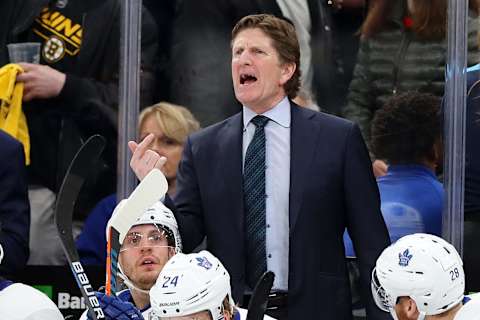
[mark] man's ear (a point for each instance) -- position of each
(412, 310)
(227, 316)
(288, 69)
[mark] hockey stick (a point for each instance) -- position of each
(152, 188)
(258, 302)
(79, 169)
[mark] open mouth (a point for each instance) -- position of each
(246, 79)
(147, 261)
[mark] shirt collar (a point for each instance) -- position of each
(280, 114)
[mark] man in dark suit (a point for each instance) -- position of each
(275, 186)
(14, 206)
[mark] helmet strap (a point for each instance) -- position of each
(128, 282)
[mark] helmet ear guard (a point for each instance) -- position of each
(423, 267)
(192, 283)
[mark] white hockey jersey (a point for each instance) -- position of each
(21, 302)
(470, 309)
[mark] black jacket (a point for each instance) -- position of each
(14, 206)
(88, 101)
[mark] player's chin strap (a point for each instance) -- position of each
(127, 281)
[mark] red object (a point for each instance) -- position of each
(408, 22)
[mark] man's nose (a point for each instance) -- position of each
(245, 58)
(145, 244)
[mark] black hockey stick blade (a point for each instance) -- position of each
(259, 299)
(79, 169)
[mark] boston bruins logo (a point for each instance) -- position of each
(53, 50)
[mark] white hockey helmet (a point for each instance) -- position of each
(423, 267)
(191, 283)
(161, 216)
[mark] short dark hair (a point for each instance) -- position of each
(406, 128)
(284, 40)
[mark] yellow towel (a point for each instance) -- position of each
(12, 118)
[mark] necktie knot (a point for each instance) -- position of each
(260, 121)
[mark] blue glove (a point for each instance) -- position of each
(116, 309)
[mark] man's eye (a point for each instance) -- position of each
(135, 240)
(156, 237)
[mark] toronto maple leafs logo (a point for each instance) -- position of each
(404, 258)
(203, 262)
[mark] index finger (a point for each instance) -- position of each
(26, 66)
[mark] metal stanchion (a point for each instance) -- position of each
(129, 88)
(454, 126)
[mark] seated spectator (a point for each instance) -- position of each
(170, 124)
(21, 302)
(402, 48)
(406, 132)
(14, 206)
(199, 275)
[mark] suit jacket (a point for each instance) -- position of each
(472, 153)
(14, 206)
(331, 187)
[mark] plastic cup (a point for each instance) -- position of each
(24, 52)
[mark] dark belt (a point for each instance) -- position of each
(276, 300)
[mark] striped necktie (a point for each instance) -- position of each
(254, 199)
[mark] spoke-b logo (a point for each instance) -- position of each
(53, 50)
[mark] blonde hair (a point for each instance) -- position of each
(176, 122)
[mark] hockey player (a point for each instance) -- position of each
(151, 241)
(21, 302)
(421, 277)
(199, 275)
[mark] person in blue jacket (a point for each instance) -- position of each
(406, 133)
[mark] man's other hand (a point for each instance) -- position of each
(379, 168)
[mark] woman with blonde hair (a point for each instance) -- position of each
(170, 124)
